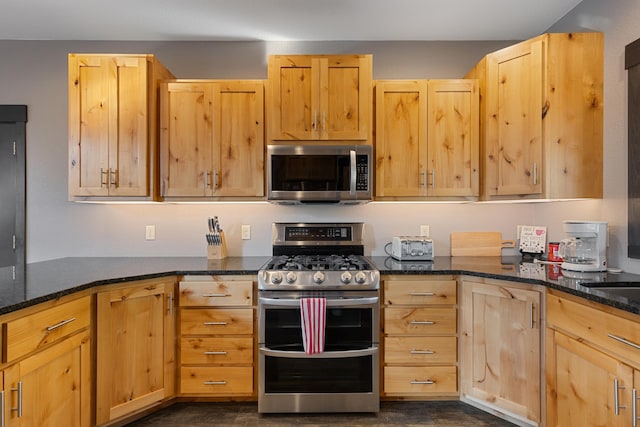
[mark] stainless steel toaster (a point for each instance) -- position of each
(412, 248)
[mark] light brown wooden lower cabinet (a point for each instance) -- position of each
(135, 360)
(51, 388)
(500, 348)
(593, 364)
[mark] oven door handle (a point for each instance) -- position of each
(350, 302)
(324, 355)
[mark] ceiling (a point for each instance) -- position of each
(279, 20)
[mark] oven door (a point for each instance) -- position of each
(343, 378)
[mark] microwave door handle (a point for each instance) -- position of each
(352, 184)
(350, 302)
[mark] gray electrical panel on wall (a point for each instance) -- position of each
(13, 120)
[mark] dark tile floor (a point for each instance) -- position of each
(438, 413)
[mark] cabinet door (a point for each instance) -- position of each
(186, 139)
(582, 383)
(51, 388)
(513, 117)
(345, 97)
(108, 126)
(453, 138)
(500, 352)
(238, 139)
(323, 97)
(135, 348)
(293, 98)
(401, 138)
(89, 98)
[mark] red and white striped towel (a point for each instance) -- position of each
(313, 312)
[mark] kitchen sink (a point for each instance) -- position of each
(629, 292)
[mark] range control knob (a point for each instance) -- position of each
(360, 277)
(276, 277)
(291, 277)
(345, 277)
(318, 277)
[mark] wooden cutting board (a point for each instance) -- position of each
(479, 243)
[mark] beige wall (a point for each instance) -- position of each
(34, 73)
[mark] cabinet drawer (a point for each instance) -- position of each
(212, 321)
(220, 294)
(420, 320)
(604, 330)
(216, 380)
(236, 350)
(420, 350)
(36, 330)
(420, 380)
(405, 292)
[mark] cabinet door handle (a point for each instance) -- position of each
(170, 303)
(422, 382)
(2, 409)
(18, 409)
(104, 178)
(422, 352)
(113, 177)
(214, 382)
(215, 179)
(624, 341)
(531, 315)
(535, 173)
(215, 353)
(422, 294)
(207, 179)
(216, 295)
(433, 178)
(634, 407)
(616, 397)
(423, 174)
(214, 323)
(60, 324)
(422, 322)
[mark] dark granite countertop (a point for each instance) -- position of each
(49, 280)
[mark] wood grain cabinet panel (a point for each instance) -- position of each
(419, 337)
(218, 294)
(113, 125)
(541, 110)
(500, 347)
(135, 347)
(212, 138)
(427, 138)
(320, 97)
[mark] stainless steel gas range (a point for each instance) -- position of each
(325, 262)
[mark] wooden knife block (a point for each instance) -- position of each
(218, 251)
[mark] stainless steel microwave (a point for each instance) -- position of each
(319, 174)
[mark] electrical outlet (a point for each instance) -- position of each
(150, 232)
(246, 232)
(424, 230)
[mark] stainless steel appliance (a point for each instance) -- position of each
(407, 248)
(586, 247)
(319, 174)
(322, 261)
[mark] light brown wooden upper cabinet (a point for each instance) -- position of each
(112, 125)
(541, 118)
(325, 97)
(212, 138)
(427, 139)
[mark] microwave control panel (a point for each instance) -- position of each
(362, 173)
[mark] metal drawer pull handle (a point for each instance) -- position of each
(624, 341)
(216, 295)
(422, 294)
(58, 325)
(422, 382)
(634, 407)
(616, 398)
(19, 408)
(214, 353)
(422, 352)
(422, 322)
(215, 323)
(214, 382)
